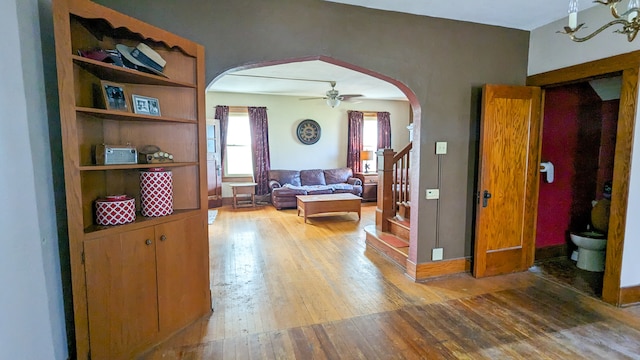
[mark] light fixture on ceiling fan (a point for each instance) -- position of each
(629, 20)
(333, 96)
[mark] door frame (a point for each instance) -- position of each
(628, 66)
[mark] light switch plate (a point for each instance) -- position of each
(433, 194)
(441, 148)
(437, 254)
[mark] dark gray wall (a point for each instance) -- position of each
(444, 63)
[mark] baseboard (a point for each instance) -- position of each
(425, 271)
(629, 295)
(552, 251)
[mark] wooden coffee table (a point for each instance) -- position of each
(328, 203)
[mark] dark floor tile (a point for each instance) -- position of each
(563, 270)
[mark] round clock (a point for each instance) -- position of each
(308, 132)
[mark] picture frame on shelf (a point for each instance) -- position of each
(115, 96)
(146, 105)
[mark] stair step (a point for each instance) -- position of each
(394, 247)
(405, 223)
(399, 227)
(404, 210)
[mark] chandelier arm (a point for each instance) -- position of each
(614, 11)
(625, 14)
(601, 29)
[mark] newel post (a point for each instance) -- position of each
(385, 204)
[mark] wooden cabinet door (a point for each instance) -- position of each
(183, 281)
(121, 293)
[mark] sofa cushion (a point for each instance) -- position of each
(312, 177)
(285, 177)
(319, 190)
(346, 188)
(337, 176)
(289, 190)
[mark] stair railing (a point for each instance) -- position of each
(393, 183)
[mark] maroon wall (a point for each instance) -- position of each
(607, 143)
(576, 122)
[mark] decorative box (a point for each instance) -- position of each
(156, 192)
(115, 210)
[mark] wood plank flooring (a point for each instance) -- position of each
(283, 289)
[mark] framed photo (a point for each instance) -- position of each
(146, 105)
(115, 96)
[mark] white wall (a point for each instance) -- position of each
(32, 325)
(549, 51)
(285, 112)
(630, 275)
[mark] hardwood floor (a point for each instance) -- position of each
(563, 270)
(283, 289)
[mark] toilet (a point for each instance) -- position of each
(591, 250)
(593, 243)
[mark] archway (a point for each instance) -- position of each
(414, 116)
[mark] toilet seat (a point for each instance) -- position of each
(591, 234)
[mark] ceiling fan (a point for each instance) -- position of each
(333, 97)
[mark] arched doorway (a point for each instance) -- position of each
(317, 73)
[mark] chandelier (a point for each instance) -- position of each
(629, 20)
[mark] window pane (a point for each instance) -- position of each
(238, 132)
(370, 141)
(370, 135)
(239, 160)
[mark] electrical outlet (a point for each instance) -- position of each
(437, 254)
(441, 148)
(433, 194)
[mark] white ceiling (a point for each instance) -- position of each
(519, 14)
(313, 79)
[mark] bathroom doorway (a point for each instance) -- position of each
(578, 150)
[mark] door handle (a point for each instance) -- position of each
(486, 195)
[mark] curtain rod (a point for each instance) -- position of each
(241, 108)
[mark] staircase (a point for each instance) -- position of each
(390, 234)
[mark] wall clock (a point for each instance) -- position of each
(308, 132)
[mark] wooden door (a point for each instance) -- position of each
(183, 281)
(214, 164)
(121, 293)
(506, 204)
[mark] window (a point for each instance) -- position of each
(238, 159)
(370, 137)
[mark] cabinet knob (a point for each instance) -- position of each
(148, 242)
(163, 237)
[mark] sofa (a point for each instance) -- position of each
(285, 185)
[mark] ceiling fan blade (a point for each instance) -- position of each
(350, 96)
(314, 98)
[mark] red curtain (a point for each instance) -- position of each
(260, 146)
(354, 142)
(384, 130)
(222, 114)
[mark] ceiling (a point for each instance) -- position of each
(313, 77)
(306, 79)
(516, 14)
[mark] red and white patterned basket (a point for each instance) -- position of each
(115, 210)
(156, 192)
